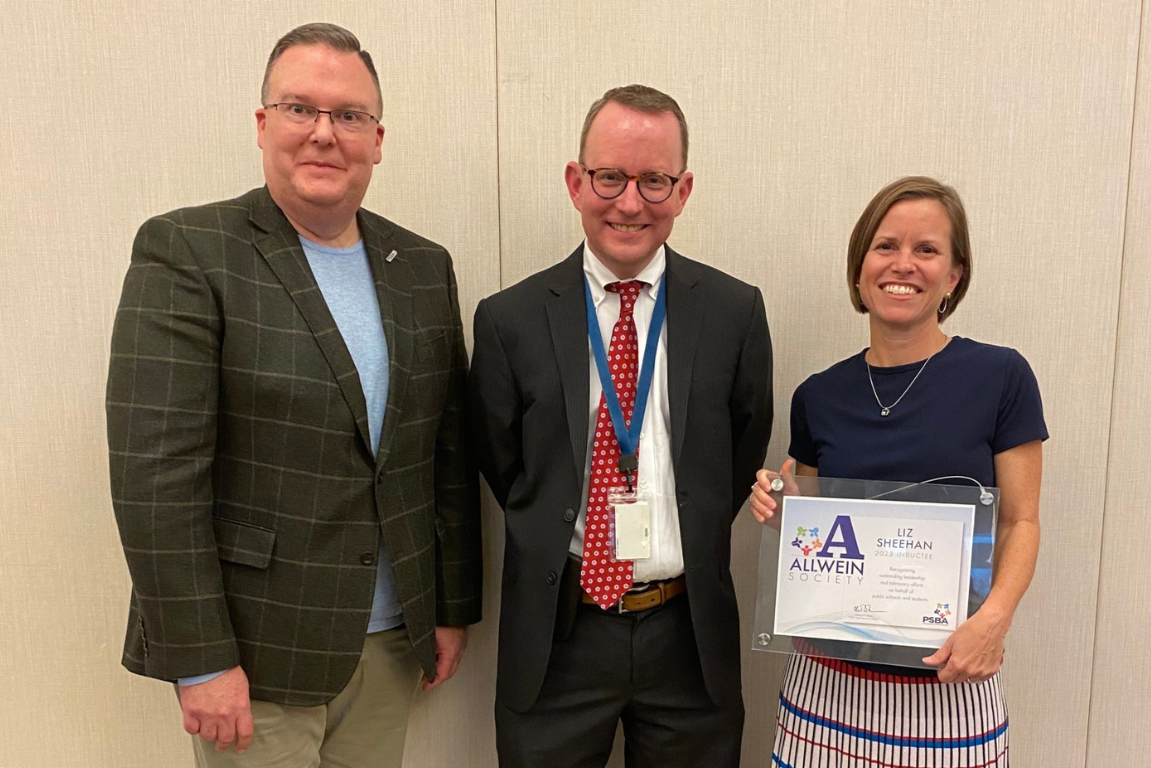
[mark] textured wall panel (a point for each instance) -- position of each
(112, 113)
(1120, 708)
(799, 112)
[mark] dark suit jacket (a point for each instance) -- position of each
(249, 503)
(529, 395)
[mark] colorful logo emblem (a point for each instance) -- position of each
(807, 540)
(943, 610)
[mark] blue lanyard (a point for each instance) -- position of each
(628, 438)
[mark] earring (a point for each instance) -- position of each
(943, 306)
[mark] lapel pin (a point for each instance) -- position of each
(390, 256)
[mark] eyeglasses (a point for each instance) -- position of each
(349, 120)
(609, 183)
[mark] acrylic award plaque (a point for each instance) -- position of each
(875, 572)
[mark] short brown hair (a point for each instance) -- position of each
(910, 188)
(321, 33)
(642, 99)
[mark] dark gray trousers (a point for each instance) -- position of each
(640, 668)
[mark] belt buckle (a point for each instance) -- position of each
(619, 606)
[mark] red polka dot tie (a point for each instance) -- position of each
(601, 575)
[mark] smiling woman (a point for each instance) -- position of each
(914, 214)
(885, 414)
(908, 274)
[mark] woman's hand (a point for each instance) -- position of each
(974, 652)
(762, 502)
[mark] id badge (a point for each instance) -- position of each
(631, 515)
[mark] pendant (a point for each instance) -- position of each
(885, 412)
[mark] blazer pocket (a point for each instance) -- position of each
(243, 543)
(711, 379)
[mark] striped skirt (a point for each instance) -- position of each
(832, 713)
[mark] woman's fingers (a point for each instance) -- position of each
(762, 505)
(787, 474)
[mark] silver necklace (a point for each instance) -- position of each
(885, 410)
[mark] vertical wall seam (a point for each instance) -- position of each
(499, 139)
(1114, 379)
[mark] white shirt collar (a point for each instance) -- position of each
(599, 276)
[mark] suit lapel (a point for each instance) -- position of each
(394, 292)
(567, 319)
(684, 317)
(279, 244)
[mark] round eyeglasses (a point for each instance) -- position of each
(609, 183)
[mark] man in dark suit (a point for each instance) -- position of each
(286, 436)
(619, 606)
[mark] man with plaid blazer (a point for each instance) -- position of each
(286, 438)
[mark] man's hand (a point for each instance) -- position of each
(974, 652)
(450, 644)
(219, 710)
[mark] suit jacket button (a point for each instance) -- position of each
(379, 479)
(569, 515)
(552, 578)
(368, 558)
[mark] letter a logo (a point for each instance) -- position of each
(842, 536)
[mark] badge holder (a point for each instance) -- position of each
(631, 524)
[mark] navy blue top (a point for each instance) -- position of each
(971, 402)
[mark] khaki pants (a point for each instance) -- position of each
(362, 727)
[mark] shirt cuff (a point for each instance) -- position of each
(197, 679)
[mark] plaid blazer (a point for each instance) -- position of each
(249, 503)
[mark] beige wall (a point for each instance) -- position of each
(799, 112)
(1121, 679)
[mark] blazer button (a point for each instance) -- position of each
(368, 558)
(379, 479)
(552, 578)
(569, 515)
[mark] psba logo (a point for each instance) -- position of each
(939, 616)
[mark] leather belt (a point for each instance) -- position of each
(644, 598)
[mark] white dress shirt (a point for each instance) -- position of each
(655, 479)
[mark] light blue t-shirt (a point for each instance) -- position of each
(345, 280)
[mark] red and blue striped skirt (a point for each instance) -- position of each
(833, 713)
